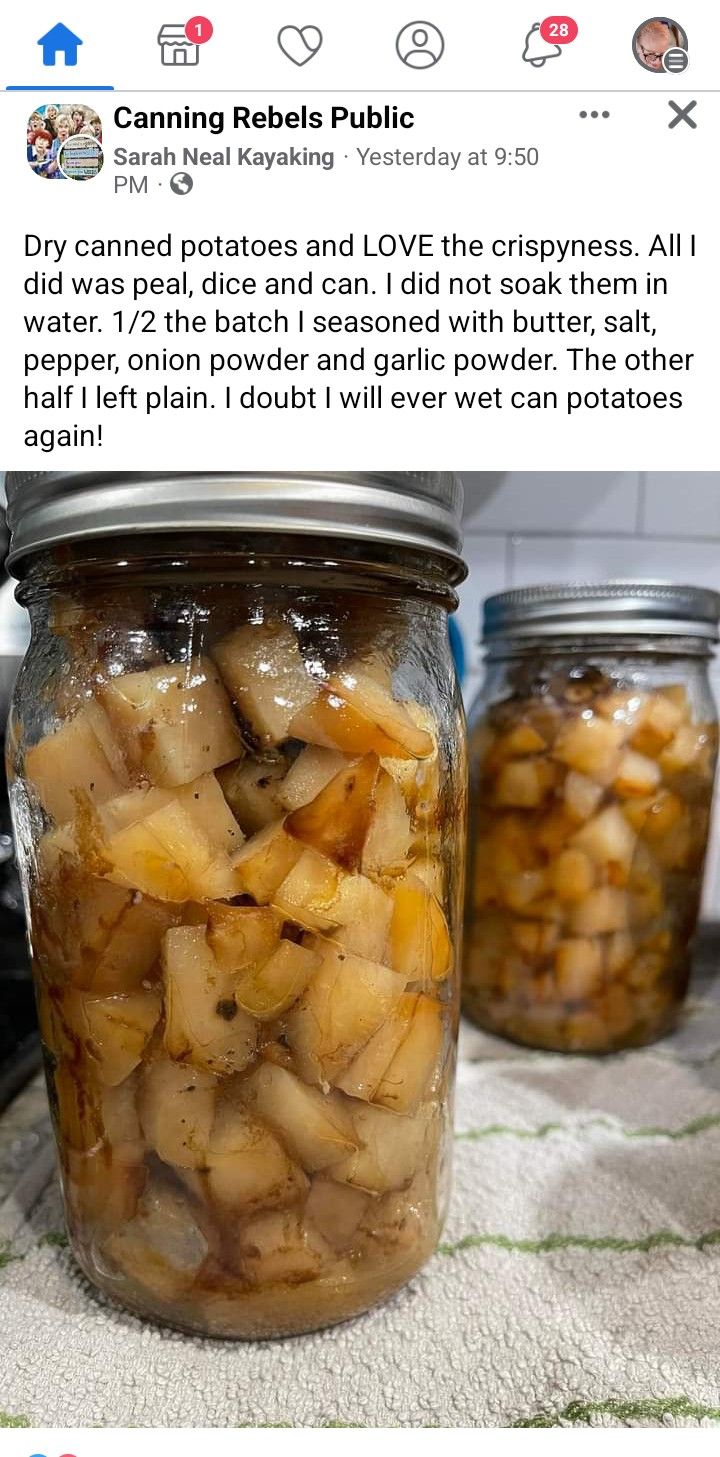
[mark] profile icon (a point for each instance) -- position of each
(64, 141)
(420, 45)
(660, 45)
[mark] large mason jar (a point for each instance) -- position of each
(593, 746)
(238, 783)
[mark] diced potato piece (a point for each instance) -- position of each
(572, 875)
(355, 714)
(177, 1111)
(308, 894)
(78, 760)
(608, 838)
(121, 1121)
(312, 770)
(362, 913)
(582, 795)
(521, 739)
(129, 809)
(315, 1127)
(401, 1220)
(684, 750)
(344, 1004)
(280, 1248)
(655, 815)
(134, 945)
(523, 783)
(119, 1029)
(387, 845)
(336, 1210)
(619, 952)
(101, 1189)
(591, 746)
(519, 891)
(163, 1248)
(398, 1065)
(169, 856)
(624, 708)
(429, 869)
(264, 672)
(203, 1023)
(77, 1111)
(337, 821)
(247, 1165)
(264, 862)
(266, 991)
(252, 790)
(242, 937)
(659, 720)
(535, 938)
(420, 781)
(578, 968)
(390, 1152)
(604, 910)
(420, 944)
(174, 722)
(636, 775)
(205, 802)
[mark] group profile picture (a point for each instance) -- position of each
(64, 142)
(660, 44)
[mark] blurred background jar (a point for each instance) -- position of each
(593, 746)
(238, 776)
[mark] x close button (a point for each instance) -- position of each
(683, 114)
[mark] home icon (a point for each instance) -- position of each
(60, 42)
(175, 48)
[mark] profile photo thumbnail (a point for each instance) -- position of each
(64, 141)
(660, 45)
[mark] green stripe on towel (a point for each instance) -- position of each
(543, 1130)
(549, 1242)
(651, 1409)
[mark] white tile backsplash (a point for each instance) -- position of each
(526, 527)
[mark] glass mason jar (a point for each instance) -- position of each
(238, 785)
(593, 747)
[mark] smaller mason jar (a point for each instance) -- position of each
(237, 765)
(593, 747)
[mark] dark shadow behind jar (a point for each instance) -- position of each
(238, 784)
(592, 748)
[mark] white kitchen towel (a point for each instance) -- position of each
(578, 1279)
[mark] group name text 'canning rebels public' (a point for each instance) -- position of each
(362, 118)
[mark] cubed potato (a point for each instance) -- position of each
(79, 761)
(608, 839)
(618, 952)
(390, 1153)
(420, 946)
(266, 991)
(403, 1220)
(101, 1191)
(163, 1248)
(248, 1167)
(523, 783)
(311, 771)
(336, 1210)
(578, 968)
(344, 1004)
(204, 1025)
(77, 1109)
(252, 789)
(572, 875)
(281, 1248)
(121, 1121)
(581, 795)
(420, 780)
(133, 947)
(623, 707)
(604, 910)
(355, 714)
(173, 722)
(308, 894)
(177, 1110)
(315, 1127)
(337, 821)
(684, 751)
(264, 672)
(658, 722)
(398, 1066)
(206, 804)
(429, 869)
(387, 844)
(362, 913)
(591, 745)
(535, 938)
(169, 856)
(673, 850)
(264, 862)
(518, 741)
(519, 891)
(242, 937)
(119, 1029)
(636, 775)
(655, 815)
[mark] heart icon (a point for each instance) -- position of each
(300, 43)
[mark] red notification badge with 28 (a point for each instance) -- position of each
(559, 30)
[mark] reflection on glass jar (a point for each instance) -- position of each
(592, 758)
(239, 795)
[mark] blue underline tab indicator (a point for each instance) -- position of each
(43, 86)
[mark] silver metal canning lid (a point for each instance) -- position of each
(594, 609)
(417, 509)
